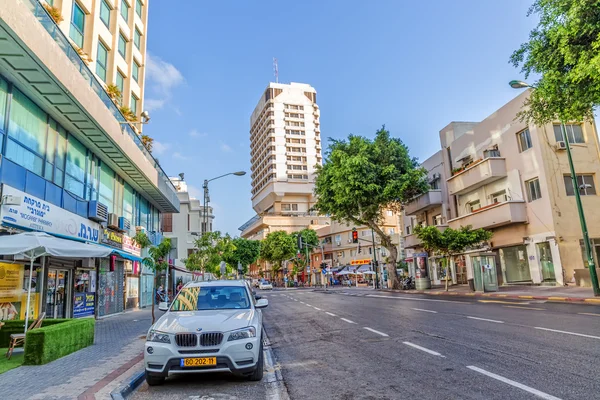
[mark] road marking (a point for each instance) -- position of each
(330, 313)
(302, 302)
(503, 302)
(307, 304)
(588, 313)
(568, 333)
(377, 332)
(420, 309)
(485, 319)
(317, 308)
(295, 299)
(435, 353)
(526, 388)
(525, 308)
(414, 299)
(348, 321)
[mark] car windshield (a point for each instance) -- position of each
(211, 298)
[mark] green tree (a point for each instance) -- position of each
(277, 247)
(246, 252)
(361, 178)
(157, 259)
(564, 48)
(309, 237)
(450, 242)
(210, 249)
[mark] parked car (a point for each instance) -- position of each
(211, 326)
(265, 285)
(255, 283)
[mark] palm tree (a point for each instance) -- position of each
(114, 93)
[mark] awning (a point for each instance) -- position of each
(126, 255)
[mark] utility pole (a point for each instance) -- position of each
(375, 260)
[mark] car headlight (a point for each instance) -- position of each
(245, 333)
(160, 337)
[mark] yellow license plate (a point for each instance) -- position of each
(199, 362)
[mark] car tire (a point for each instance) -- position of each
(153, 380)
(257, 374)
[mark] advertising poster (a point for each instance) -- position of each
(83, 304)
(13, 297)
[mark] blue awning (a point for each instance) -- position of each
(126, 255)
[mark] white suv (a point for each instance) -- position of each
(209, 327)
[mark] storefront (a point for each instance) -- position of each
(14, 280)
(515, 264)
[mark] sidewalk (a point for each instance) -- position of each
(518, 292)
(88, 373)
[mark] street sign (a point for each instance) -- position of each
(360, 262)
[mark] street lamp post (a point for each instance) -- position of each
(586, 239)
(207, 200)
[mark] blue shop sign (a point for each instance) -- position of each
(83, 304)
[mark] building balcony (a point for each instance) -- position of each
(493, 215)
(476, 175)
(424, 202)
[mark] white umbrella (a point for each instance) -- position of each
(369, 272)
(32, 245)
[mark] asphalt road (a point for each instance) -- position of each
(361, 344)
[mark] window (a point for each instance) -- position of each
(92, 179)
(135, 70)
(286, 207)
(585, 183)
(134, 104)
(77, 25)
(338, 238)
(3, 103)
(167, 223)
(437, 220)
(101, 61)
(524, 139)
(137, 38)
(27, 128)
(124, 10)
(390, 213)
(533, 190)
(138, 8)
(499, 197)
(105, 13)
(434, 184)
(188, 222)
(294, 207)
(574, 133)
(122, 47)
(61, 157)
(107, 187)
(408, 230)
(120, 82)
(391, 231)
(473, 205)
(76, 166)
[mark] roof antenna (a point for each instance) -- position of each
(276, 70)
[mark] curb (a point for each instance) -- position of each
(553, 299)
(122, 392)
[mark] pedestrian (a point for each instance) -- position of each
(179, 286)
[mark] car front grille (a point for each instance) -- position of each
(186, 339)
(211, 339)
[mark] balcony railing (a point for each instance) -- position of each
(493, 215)
(426, 201)
(164, 183)
(476, 175)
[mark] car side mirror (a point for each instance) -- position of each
(257, 297)
(163, 306)
(262, 303)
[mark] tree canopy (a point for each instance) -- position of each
(361, 178)
(450, 241)
(277, 247)
(310, 237)
(564, 48)
(210, 249)
(246, 252)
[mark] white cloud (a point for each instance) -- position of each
(226, 148)
(195, 134)
(178, 156)
(162, 78)
(159, 148)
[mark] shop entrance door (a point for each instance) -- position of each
(59, 291)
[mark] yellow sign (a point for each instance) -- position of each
(13, 297)
(360, 262)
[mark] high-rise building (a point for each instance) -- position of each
(72, 166)
(112, 37)
(285, 147)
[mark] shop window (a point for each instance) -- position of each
(574, 133)
(515, 263)
(533, 190)
(585, 184)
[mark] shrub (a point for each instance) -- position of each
(18, 326)
(52, 342)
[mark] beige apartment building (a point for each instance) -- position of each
(285, 147)
(514, 179)
(112, 34)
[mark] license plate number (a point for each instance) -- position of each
(198, 362)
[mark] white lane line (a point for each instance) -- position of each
(568, 333)
(589, 313)
(302, 302)
(307, 304)
(420, 309)
(317, 308)
(347, 320)
(435, 353)
(487, 320)
(414, 299)
(377, 332)
(330, 313)
(295, 299)
(526, 388)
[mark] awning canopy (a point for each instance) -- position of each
(126, 255)
(32, 245)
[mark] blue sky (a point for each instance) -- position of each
(413, 66)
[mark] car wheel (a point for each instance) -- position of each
(257, 375)
(153, 380)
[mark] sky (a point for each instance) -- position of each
(414, 66)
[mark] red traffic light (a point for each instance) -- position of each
(354, 236)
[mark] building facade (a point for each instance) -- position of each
(514, 179)
(72, 167)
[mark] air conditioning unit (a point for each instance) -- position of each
(349, 240)
(436, 176)
(113, 221)
(338, 243)
(561, 145)
(97, 211)
(124, 224)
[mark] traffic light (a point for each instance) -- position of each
(323, 265)
(354, 235)
(359, 249)
(299, 241)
